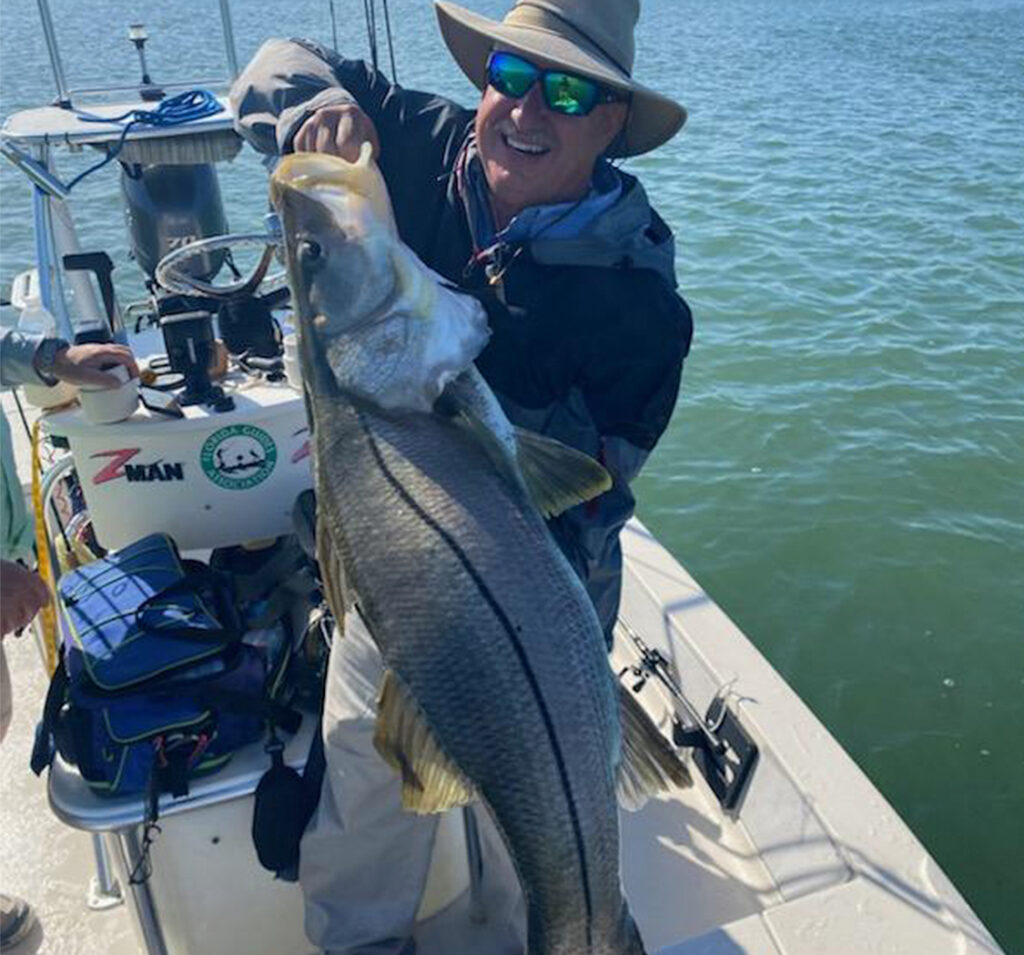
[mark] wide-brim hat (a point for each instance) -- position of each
(593, 39)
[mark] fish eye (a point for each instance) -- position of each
(309, 251)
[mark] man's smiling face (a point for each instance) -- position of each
(533, 156)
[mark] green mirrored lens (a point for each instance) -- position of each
(569, 94)
(510, 75)
(564, 93)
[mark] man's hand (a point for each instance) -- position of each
(338, 130)
(22, 594)
(84, 364)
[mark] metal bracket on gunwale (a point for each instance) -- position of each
(723, 751)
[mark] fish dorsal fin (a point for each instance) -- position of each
(431, 782)
(556, 476)
(649, 764)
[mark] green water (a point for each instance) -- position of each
(843, 473)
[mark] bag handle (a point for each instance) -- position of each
(43, 747)
(205, 584)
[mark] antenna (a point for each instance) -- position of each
(138, 35)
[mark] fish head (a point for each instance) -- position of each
(373, 320)
(338, 233)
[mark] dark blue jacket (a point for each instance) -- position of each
(588, 334)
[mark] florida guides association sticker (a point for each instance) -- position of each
(238, 457)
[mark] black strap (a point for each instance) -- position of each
(316, 761)
(277, 845)
(43, 747)
(174, 776)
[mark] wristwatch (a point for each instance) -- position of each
(46, 355)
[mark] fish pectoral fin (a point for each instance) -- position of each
(650, 765)
(431, 782)
(557, 477)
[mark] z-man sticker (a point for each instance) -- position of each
(120, 466)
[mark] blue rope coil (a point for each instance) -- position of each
(177, 110)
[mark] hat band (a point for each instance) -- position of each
(572, 26)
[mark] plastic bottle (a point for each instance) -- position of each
(37, 320)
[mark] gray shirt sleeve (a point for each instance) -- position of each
(284, 84)
(17, 358)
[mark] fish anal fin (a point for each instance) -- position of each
(431, 782)
(556, 476)
(650, 765)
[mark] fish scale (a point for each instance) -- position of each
(450, 650)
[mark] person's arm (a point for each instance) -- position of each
(22, 594)
(285, 83)
(289, 82)
(18, 352)
(297, 94)
(30, 359)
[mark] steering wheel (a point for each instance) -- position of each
(170, 275)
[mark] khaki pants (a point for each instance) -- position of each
(364, 861)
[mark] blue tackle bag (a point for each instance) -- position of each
(156, 682)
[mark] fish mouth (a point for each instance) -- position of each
(338, 184)
(305, 171)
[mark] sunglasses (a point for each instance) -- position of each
(565, 93)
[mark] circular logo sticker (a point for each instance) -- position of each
(238, 457)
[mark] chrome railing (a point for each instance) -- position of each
(64, 92)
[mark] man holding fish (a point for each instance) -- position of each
(518, 204)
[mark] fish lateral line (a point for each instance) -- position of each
(520, 653)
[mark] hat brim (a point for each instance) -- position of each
(653, 119)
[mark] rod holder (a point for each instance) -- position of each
(37, 173)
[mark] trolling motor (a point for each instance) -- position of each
(169, 206)
(169, 185)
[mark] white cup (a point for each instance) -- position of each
(292, 369)
(108, 405)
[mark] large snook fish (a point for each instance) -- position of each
(498, 686)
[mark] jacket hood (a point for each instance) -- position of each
(629, 234)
